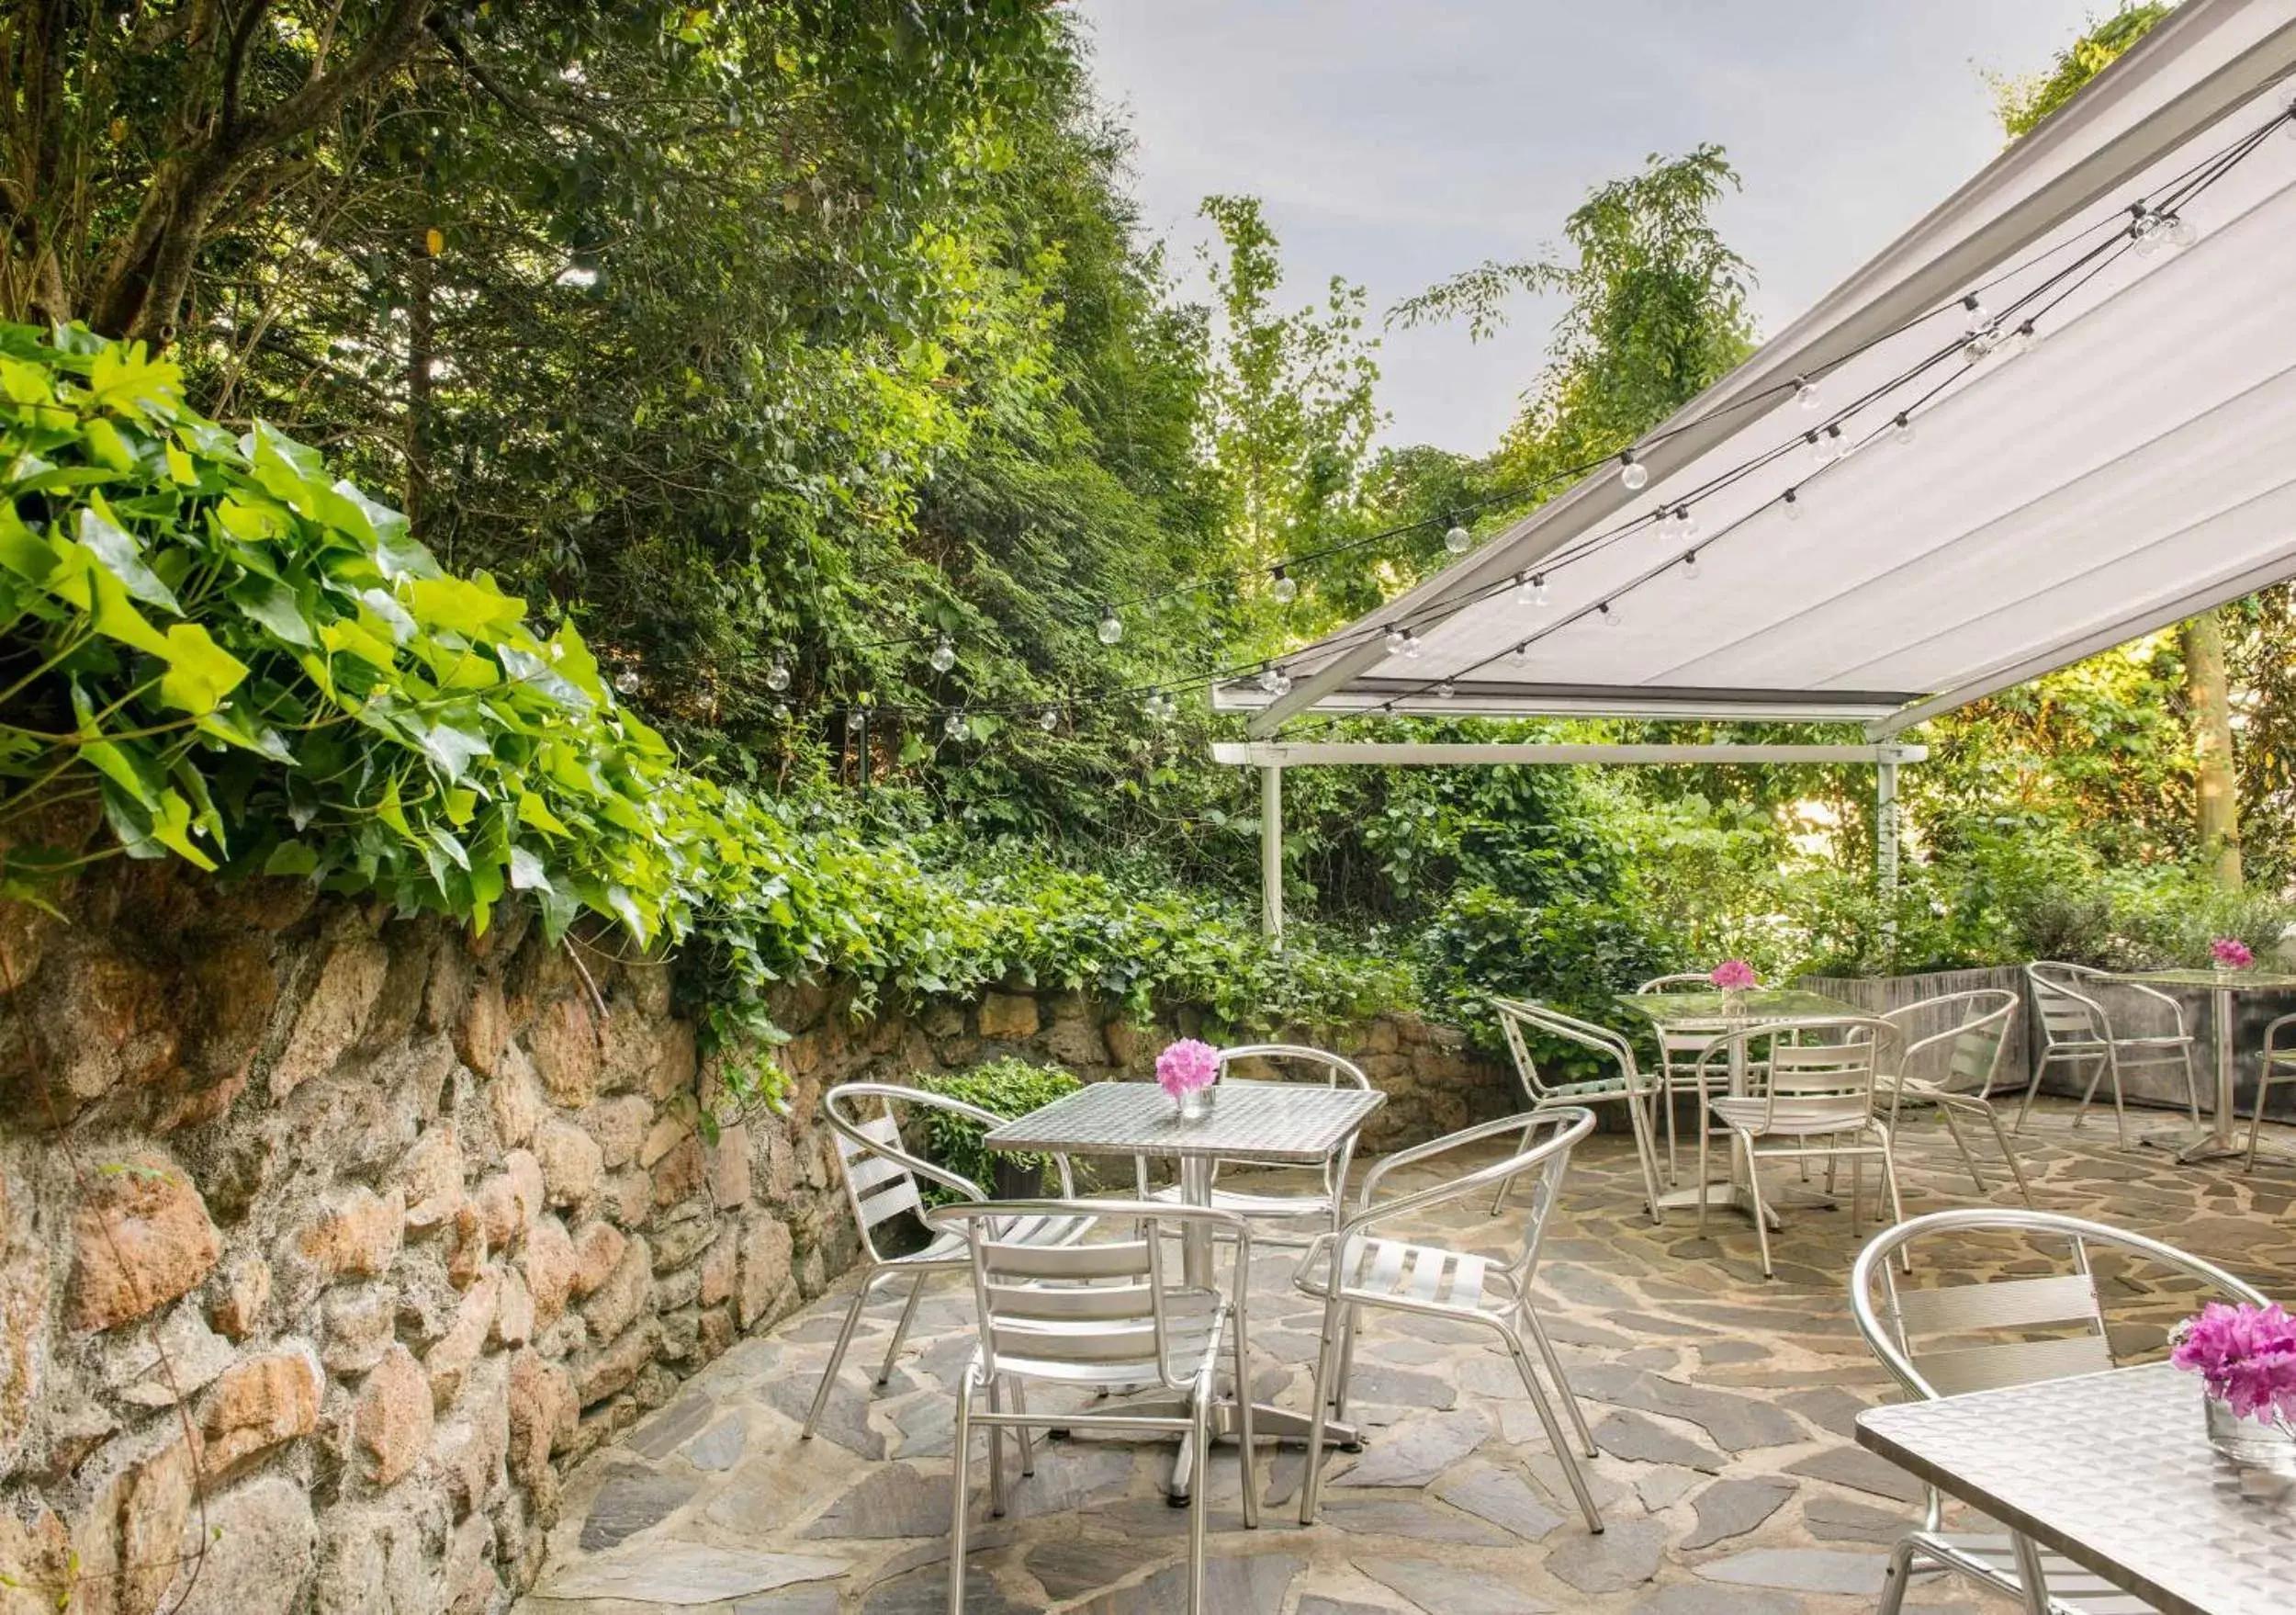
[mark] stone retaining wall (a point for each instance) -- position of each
(415, 1221)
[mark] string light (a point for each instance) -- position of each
(1610, 618)
(1978, 318)
(1445, 689)
(1539, 594)
(2182, 231)
(1049, 719)
(627, 681)
(1792, 500)
(1522, 652)
(1111, 625)
(1820, 448)
(1456, 538)
(2022, 340)
(1527, 589)
(953, 725)
(856, 718)
(1806, 392)
(944, 656)
(1412, 647)
(1396, 639)
(777, 676)
(1685, 525)
(1902, 427)
(1690, 566)
(1633, 472)
(1281, 588)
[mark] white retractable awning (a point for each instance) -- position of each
(2132, 463)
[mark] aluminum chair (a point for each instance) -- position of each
(1521, 1020)
(2280, 1066)
(1435, 1281)
(1990, 1334)
(1319, 1203)
(2076, 1031)
(1678, 1052)
(881, 1180)
(1102, 1315)
(1973, 1037)
(1813, 1088)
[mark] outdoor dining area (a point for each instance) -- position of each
(1225, 1364)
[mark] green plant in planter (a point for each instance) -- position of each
(1007, 1087)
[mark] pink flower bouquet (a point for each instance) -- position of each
(1186, 1067)
(2245, 1355)
(1733, 976)
(2231, 954)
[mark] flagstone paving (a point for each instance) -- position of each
(1721, 1403)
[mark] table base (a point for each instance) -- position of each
(2206, 1143)
(1737, 1197)
(1269, 1423)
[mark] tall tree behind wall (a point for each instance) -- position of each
(2023, 104)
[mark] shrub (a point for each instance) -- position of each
(1007, 1087)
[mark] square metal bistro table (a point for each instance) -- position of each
(2216, 1140)
(1712, 1013)
(2115, 1472)
(1291, 1123)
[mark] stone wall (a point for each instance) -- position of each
(329, 1240)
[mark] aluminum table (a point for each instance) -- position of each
(2115, 1472)
(2215, 1140)
(1293, 1123)
(1715, 1012)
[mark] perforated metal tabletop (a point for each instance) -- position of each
(2115, 1472)
(1271, 1121)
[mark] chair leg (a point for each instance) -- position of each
(901, 1330)
(2017, 1172)
(1199, 1512)
(1562, 1385)
(1945, 1114)
(1244, 1453)
(1646, 1152)
(2031, 1088)
(2120, 1108)
(1347, 1324)
(963, 1450)
(1762, 1212)
(2256, 1120)
(1706, 1134)
(1673, 1168)
(996, 1454)
(1021, 1432)
(1499, 1201)
(1895, 1578)
(1889, 1181)
(2080, 1111)
(1326, 1364)
(2191, 1088)
(837, 1356)
(1563, 1454)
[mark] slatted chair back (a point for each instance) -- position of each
(1957, 1040)
(1520, 1020)
(1805, 1070)
(2067, 1014)
(1983, 1335)
(882, 1175)
(1110, 1310)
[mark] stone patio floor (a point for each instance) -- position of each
(1722, 1404)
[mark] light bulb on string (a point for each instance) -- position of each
(2022, 340)
(1978, 318)
(1611, 618)
(1456, 539)
(1806, 392)
(1049, 719)
(1902, 427)
(1281, 587)
(781, 712)
(953, 725)
(777, 676)
(1271, 676)
(2149, 234)
(1396, 638)
(1685, 525)
(1445, 689)
(1835, 448)
(1633, 472)
(2182, 231)
(1539, 592)
(1820, 448)
(856, 718)
(1283, 683)
(627, 682)
(1111, 625)
(1791, 501)
(944, 656)
(1522, 652)
(1690, 566)
(1412, 647)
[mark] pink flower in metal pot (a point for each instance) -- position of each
(1186, 1066)
(1733, 976)
(2231, 954)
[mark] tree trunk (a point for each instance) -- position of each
(420, 349)
(2215, 785)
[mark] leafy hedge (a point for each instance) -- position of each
(254, 667)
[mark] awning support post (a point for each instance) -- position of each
(1272, 855)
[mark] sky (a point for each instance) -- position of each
(1398, 142)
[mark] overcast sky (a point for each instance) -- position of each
(1396, 141)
